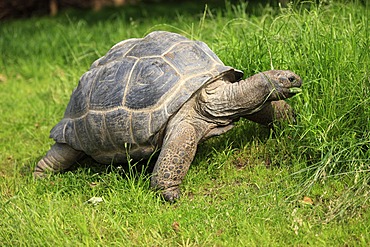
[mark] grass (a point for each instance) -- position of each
(303, 184)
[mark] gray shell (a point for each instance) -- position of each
(128, 95)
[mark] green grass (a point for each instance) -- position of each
(245, 188)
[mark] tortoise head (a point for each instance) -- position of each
(281, 83)
(220, 100)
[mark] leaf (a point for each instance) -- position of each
(95, 200)
(176, 226)
(307, 200)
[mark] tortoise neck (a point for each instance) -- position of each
(226, 100)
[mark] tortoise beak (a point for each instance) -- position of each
(295, 84)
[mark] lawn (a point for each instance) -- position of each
(303, 184)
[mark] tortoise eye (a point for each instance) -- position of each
(291, 78)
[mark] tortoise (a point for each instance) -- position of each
(164, 92)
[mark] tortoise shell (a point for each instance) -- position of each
(129, 94)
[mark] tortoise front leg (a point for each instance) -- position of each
(274, 111)
(178, 151)
(60, 157)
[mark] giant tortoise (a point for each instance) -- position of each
(164, 92)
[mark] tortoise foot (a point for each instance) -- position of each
(171, 194)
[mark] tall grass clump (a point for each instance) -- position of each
(322, 44)
(334, 117)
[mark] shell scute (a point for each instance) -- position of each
(140, 127)
(58, 131)
(117, 52)
(100, 138)
(188, 59)
(155, 44)
(109, 86)
(208, 51)
(155, 123)
(118, 126)
(151, 79)
(79, 102)
(177, 100)
(85, 141)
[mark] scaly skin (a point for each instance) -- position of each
(174, 160)
(60, 157)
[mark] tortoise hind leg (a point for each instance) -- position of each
(60, 157)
